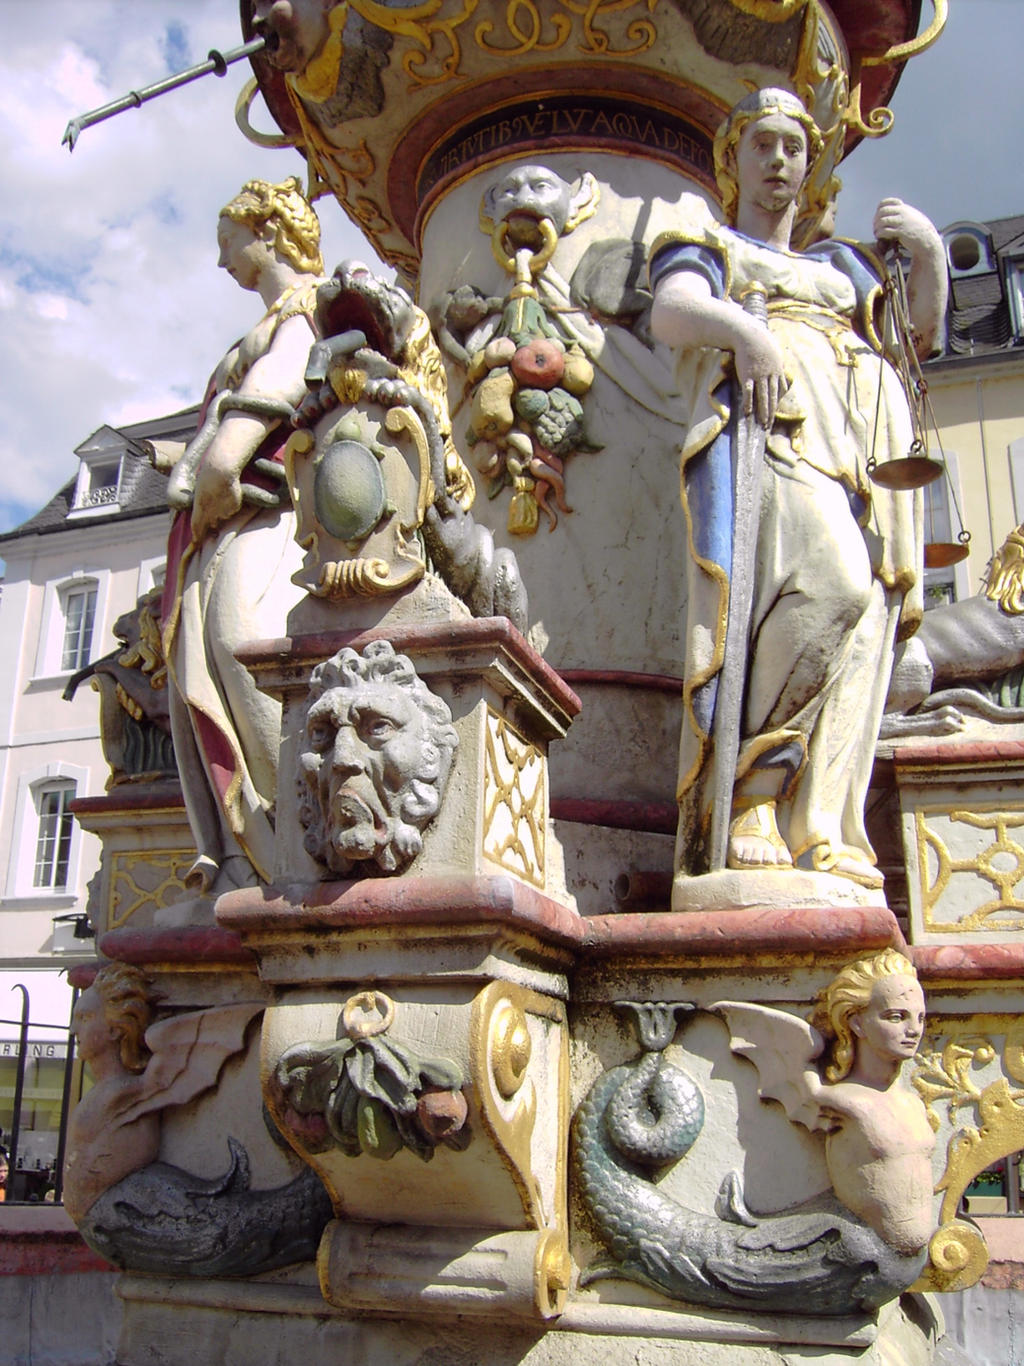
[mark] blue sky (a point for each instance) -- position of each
(111, 308)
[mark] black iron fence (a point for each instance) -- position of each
(39, 1082)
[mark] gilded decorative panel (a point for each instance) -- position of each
(969, 867)
(515, 801)
(154, 880)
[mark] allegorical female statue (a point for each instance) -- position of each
(832, 560)
(232, 551)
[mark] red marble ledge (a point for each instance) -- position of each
(707, 935)
(658, 818)
(968, 962)
(126, 797)
(624, 678)
(204, 945)
(41, 1240)
(82, 974)
(299, 652)
(954, 753)
(381, 902)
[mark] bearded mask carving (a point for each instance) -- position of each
(379, 752)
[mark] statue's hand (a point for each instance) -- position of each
(218, 496)
(898, 222)
(180, 484)
(760, 369)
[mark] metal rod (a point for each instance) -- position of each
(65, 1107)
(216, 62)
(19, 1087)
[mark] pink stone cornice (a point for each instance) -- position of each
(969, 962)
(760, 931)
(955, 753)
(387, 902)
(770, 934)
(297, 653)
(127, 797)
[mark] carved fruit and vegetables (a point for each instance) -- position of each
(527, 409)
(365, 1093)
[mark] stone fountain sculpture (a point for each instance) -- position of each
(434, 894)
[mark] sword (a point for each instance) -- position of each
(748, 464)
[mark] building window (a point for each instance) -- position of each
(946, 583)
(97, 486)
(1015, 293)
(79, 617)
(73, 621)
(53, 838)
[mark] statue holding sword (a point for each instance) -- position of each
(803, 574)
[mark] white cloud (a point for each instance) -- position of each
(112, 308)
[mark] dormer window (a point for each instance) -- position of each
(968, 250)
(97, 486)
(100, 471)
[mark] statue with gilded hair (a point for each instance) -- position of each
(833, 560)
(232, 551)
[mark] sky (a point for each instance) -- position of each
(111, 306)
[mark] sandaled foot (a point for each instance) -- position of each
(754, 839)
(849, 863)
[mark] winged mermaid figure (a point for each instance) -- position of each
(148, 1215)
(849, 1250)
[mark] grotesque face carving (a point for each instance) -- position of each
(380, 747)
(527, 195)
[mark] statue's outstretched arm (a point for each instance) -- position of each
(927, 280)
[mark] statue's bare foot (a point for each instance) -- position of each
(754, 839)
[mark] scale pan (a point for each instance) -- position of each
(908, 472)
(942, 554)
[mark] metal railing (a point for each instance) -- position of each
(23, 1184)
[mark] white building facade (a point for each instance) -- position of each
(72, 571)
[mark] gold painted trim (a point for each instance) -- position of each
(958, 1255)
(242, 106)
(398, 420)
(122, 862)
(771, 11)
(498, 1017)
(361, 578)
(900, 52)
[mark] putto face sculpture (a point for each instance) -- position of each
(380, 748)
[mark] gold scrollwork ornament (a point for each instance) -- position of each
(957, 1258)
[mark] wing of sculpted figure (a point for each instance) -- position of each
(147, 1215)
(848, 1250)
